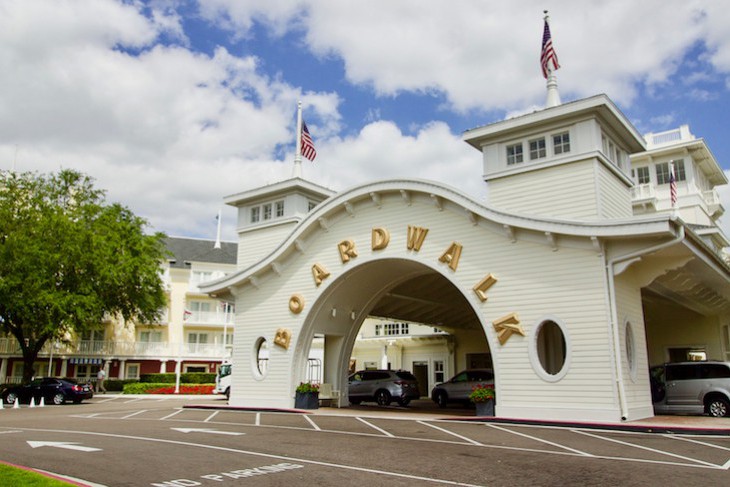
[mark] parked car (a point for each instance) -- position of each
(691, 388)
(458, 388)
(382, 386)
(53, 391)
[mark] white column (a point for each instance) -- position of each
(64, 367)
(163, 366)
(122, 369)
(4, 370)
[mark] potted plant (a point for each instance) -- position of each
(307, 396)
(483, 398)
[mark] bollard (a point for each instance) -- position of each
(32, 402)
(42, 403)
(17, 403)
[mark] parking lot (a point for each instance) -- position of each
(119, 441)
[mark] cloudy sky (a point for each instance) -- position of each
(171, 105)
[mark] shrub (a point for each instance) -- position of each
(165, 388)
(186, 378)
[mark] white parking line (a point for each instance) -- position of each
(264, 455)
(646, 448)
(312, 423)
(540, 440)
(134, 414)
(674, 437)
(171, 415)
(375, 427)
(211, 417)
(469, 440)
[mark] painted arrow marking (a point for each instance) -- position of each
(62, 444)
(206, 430)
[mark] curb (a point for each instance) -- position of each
(636, 428)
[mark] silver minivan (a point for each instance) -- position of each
(691, 388)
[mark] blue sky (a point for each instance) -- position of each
(173, 104)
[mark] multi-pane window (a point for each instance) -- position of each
(279, 208)
(662, 171)
(514, 154)
(150, 336)
(389, 329)
(642, 175)
(537, 149)
(267, 211)
(255, 214)
(679, 171)
(561, 143)
(438, 371)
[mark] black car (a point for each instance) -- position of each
(53, 391)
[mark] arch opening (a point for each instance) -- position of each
(390, 314)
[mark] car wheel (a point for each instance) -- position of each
(10, 398)
(355, 401)
(382, 397)
(404, 401)
(441, 399)
(58, 398)
(718, 407)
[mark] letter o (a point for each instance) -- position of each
(296, 303)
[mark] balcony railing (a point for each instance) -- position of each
(120, 349)
(644, 195)
(209, 318)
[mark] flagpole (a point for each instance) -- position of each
(218, 234)
(297, 171)
(553, 96)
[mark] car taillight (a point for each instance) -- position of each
(77, 388)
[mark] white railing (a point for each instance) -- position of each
(209, 317)
(668, 136)
(642, 192)
(119, 349)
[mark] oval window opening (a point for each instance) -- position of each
(630, 350)
(262, 356)
(551, 347)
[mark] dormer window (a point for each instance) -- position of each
(561, 143)
(537, 149)
(514, 154)
(267, 211)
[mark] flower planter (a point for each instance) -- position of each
(306, 400)
(485, 408)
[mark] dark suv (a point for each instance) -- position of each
(382, 386)
(691, 388)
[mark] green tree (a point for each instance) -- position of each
(69, 260)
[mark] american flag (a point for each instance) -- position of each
(672, 186)
(548, 53)
(308, 150)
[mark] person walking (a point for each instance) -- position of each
(100, 376)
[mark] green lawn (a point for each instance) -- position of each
(10, 475)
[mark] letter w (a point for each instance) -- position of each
(416, 236)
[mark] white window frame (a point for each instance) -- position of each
(515, 154)
(643, 172)
(561, 143)
(255, 214)
(534, 346)
(538, 148)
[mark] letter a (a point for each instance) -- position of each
(319, 273)
(452, 255)
(416, 236)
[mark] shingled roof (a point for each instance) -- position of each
(199, 250)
